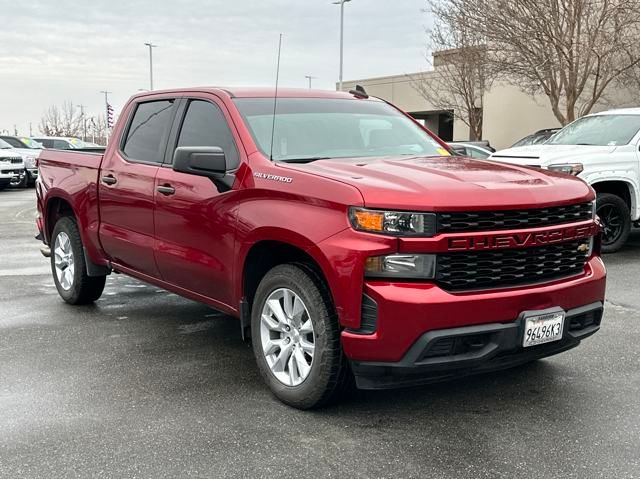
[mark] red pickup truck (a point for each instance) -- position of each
(342, 234)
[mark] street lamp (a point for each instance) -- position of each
(309, 77)
(151, 47)
(341, 3)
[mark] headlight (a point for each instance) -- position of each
(30, 161)
(407, 266)
(396, 223)
(568, 168)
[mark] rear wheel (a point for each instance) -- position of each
(68, 265)
(296, 338)
(616, 221)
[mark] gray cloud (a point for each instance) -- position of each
(58, 50)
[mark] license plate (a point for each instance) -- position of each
(543, 328)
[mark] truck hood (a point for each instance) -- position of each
(545, 155)
(449, 183)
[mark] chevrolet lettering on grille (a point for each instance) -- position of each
(521, 240)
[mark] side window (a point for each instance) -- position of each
(147, 131)
(61, 145)
(205, 125)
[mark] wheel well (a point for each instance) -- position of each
(618, 188)
(264, 256)
(57, 208)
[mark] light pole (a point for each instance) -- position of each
(151, 47)
(309, 77)
(341, 3)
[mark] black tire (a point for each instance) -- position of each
(24, 183)
(616, 219)
(329, 374)
(84, 289)
(3, 186)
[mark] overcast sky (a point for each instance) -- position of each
(57, 50)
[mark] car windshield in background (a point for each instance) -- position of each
(601, 130)
(29, 143)
(4, 145)
(310, 128)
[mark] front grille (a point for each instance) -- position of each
(513, 219)
(512, 267)
(16, 160)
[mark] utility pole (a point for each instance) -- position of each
(309, 77)
(151, 47)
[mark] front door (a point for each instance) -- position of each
(194, 217)
(127, 188)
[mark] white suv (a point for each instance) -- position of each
(11, 168)
(604, 150)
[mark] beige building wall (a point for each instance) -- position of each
(509, 114)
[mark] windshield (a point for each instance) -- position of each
(601, 130)
(315, 128)
(29, 143)
(4, 145)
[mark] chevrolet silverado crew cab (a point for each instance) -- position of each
(341, 233)
(604, 150)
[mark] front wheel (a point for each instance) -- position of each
(296, 338)
(616, 221)
(68, 265)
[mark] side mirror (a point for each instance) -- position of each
(206, 161)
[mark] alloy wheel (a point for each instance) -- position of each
(64, 261)
(287, 337)
(612, 223)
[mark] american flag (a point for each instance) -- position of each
(109, 116)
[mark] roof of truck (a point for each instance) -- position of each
(259, 92)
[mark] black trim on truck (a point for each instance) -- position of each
(451, 353)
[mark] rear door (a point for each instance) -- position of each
(194, 217)
(127, 186)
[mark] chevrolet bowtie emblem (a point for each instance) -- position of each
(583, 248)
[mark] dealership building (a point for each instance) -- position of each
(508, 113)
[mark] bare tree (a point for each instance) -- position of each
(573, 51)
(460, 76)
(63, 121)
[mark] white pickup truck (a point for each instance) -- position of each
(604, 150)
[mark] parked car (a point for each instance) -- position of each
(11, 167)
(29, 150)
(60, 143)
(540, 136)
(603, 150)
(341, 233)
(470, 150)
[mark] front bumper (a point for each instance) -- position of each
(448, 353)
(407, 310)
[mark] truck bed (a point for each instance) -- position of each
(72, 177)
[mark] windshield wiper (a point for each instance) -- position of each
(305, 160)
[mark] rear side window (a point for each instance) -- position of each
(205, 125)
(62, 145)
(148, 131)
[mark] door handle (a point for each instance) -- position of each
(109, 180)
(166, 190)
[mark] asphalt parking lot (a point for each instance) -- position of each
(147, 384)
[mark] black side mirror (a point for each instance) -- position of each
(206, 161)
